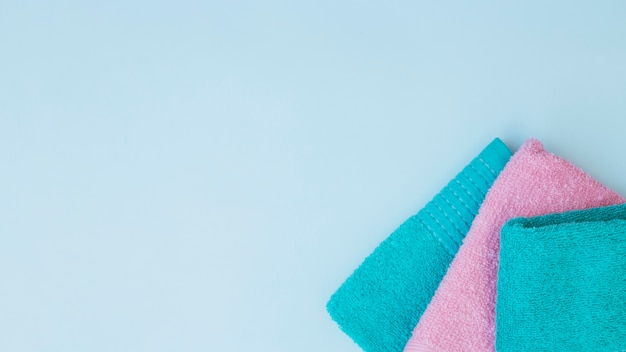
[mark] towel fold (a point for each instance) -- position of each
(461, 315)
(562, 282)
(380, 303)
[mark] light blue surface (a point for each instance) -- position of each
(197, 176)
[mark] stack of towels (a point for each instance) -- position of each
(522, 252)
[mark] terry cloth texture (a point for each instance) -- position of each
(380, 303)
(562, 282)
(461, 315)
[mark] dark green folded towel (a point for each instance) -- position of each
(562, 282)
(381, 302)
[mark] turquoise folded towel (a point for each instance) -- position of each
(562, 282)
(381, 302)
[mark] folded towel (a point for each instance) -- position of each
(380, 303)
(461, 315)
(562, 282)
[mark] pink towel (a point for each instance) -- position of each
(461, 315)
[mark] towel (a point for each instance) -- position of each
(461, 315)
(562, 282)
(380, 303)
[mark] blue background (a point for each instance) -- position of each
(201, 176)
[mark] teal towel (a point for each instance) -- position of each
(381, 302)
(562, 282)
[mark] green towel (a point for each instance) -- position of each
(380, 303)
(562, 282)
